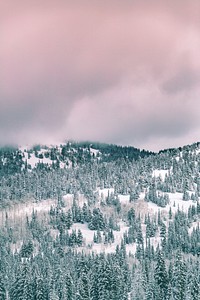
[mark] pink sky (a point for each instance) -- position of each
(125, 72)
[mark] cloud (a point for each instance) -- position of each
(183, 80)
(131, 121)
(124, 72)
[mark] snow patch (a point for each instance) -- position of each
(68, 200)
(94, 151)
(175, 202)
(125, 199)
(160, 173)
(107, 248)
(105, 192)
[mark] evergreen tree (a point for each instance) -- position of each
(83, 291)
(195, 287)
(69, 221)
(2, 288)
(40, 292)
(179, 278)
(20, 284)
(160, 275)
(79, 239)
(69, 287)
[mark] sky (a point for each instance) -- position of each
(124, 72)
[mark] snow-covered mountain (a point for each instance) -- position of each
(141, 208)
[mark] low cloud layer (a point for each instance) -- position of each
(123, 72)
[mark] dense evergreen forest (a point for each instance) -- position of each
(83, 221)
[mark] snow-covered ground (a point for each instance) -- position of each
(124, 199)
(105, 192)
(108, 191)
(194, 226)
(198, 151)
(18, 212)
(160, 173)
(175, 202)
(94, 151)
(68, 200)
(89, 234)
(21, 210)
(32, 160)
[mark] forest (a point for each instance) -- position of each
(81, 221)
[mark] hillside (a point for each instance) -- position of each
(124, 223)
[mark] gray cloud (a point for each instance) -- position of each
(110, 71)
(130, 121)
(183, 81)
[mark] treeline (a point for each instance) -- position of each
(126, 177)
(12, 159)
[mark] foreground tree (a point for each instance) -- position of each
(161, 278)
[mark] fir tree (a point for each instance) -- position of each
(2, 288)
(160, 275)
(179, 278)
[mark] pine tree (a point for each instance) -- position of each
(163, 230)
(79, 239)
(160, 275)
(131, 216)
(195, 287)
(186, 195)
(53, 295)
(139, 234)
(179, 278)
(40, 292)
(19, 288)
(69, 221)
(63, 293)
(69, 287)
(170, 213)
(83, 292)
(2, 288)
(149, 291)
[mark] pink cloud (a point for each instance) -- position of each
(125, 58)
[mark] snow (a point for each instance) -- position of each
(118, 235)
(18, 211)
(46, 160)
(33, 160)
(97, 248)
(175, 202)
(160, 173)
(131, 248)
(194, 225)
(62, 165)
(23, 148)
(125, 199)
(94, 151)
(198, 151)
(179, 203)
(105, 192)
(68, 200)
(87, 233)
